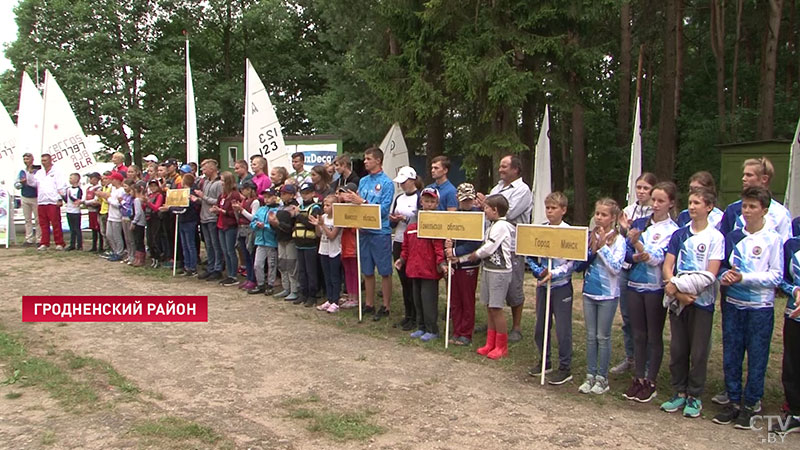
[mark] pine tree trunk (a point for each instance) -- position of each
(667, 127)
(766, 96)
(578, 155)
(624, 108)
(718, 49)
(735, 70)
(529, 135)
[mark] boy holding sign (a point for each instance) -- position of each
(560, 277)
(496, 256)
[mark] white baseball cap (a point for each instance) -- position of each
(405, 173)
(150, 158)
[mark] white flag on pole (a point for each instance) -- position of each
(636, 156)
(541, 170)
(262, 132)
(29, 121)
(8, 143)
(792, 198)
(395, 152)
(191, 114)
(63, 136)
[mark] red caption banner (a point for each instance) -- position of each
(179, 308)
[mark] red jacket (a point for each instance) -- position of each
(422, 256)
(227, 218)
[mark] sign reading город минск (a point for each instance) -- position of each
(167, 308)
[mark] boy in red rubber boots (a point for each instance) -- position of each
(496, 274)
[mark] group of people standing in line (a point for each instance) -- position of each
(653, 264)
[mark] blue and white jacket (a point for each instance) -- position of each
(692, 252)
(601, 281)
(759, 258)
(561, 269)
(646, 276)
(778, 219)
(714, 218)
(791, 273)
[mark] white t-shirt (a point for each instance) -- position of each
(328, 247)
(405, 204)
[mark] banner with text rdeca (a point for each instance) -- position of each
(464, 225)
(347, 215)
(553, 242)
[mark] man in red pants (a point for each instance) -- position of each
(51, 188)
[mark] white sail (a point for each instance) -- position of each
(792, 197)
(541, 170)
(63, 137)
(395, 152)
(635, 168)
(29, 121)
(262, 132)
(8, 143)
(191, 115)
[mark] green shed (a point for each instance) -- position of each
(733, 155)
(231, 148)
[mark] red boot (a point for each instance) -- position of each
(490, 339)
(501, 347)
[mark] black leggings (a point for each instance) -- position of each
(154, 236)
(405, 283)
(647, 315)
(138, 238)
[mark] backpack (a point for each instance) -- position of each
(126, 206)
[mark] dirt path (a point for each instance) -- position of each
(240, 372)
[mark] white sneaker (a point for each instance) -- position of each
(42, 248)
(600, 385)
(324, 306)
(587, 385)
(333, 308)
(59, 248)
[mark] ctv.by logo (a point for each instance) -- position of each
(773, 435)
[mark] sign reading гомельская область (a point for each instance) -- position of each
(552, 242)
(465, 225)
(346, 215)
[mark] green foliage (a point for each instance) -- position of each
(353, 67)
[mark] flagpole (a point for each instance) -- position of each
(44, 113)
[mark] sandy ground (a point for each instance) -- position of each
(237, 373)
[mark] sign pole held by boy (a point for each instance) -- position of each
(551, 242)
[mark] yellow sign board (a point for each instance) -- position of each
(553, 242)
(177, 198)
(347, 215)
(466, 225)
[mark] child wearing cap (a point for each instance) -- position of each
(155, 198)
(424, 262)
(266, 243)
(306, 241)
(465, 274)
(404, 211)
(283, 224)
(105, 186)
(349, 262)
(93, 206)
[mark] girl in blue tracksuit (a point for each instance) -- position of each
(646, 247)
(601, 293)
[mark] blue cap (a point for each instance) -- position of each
(306, 187)
(186, 168)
